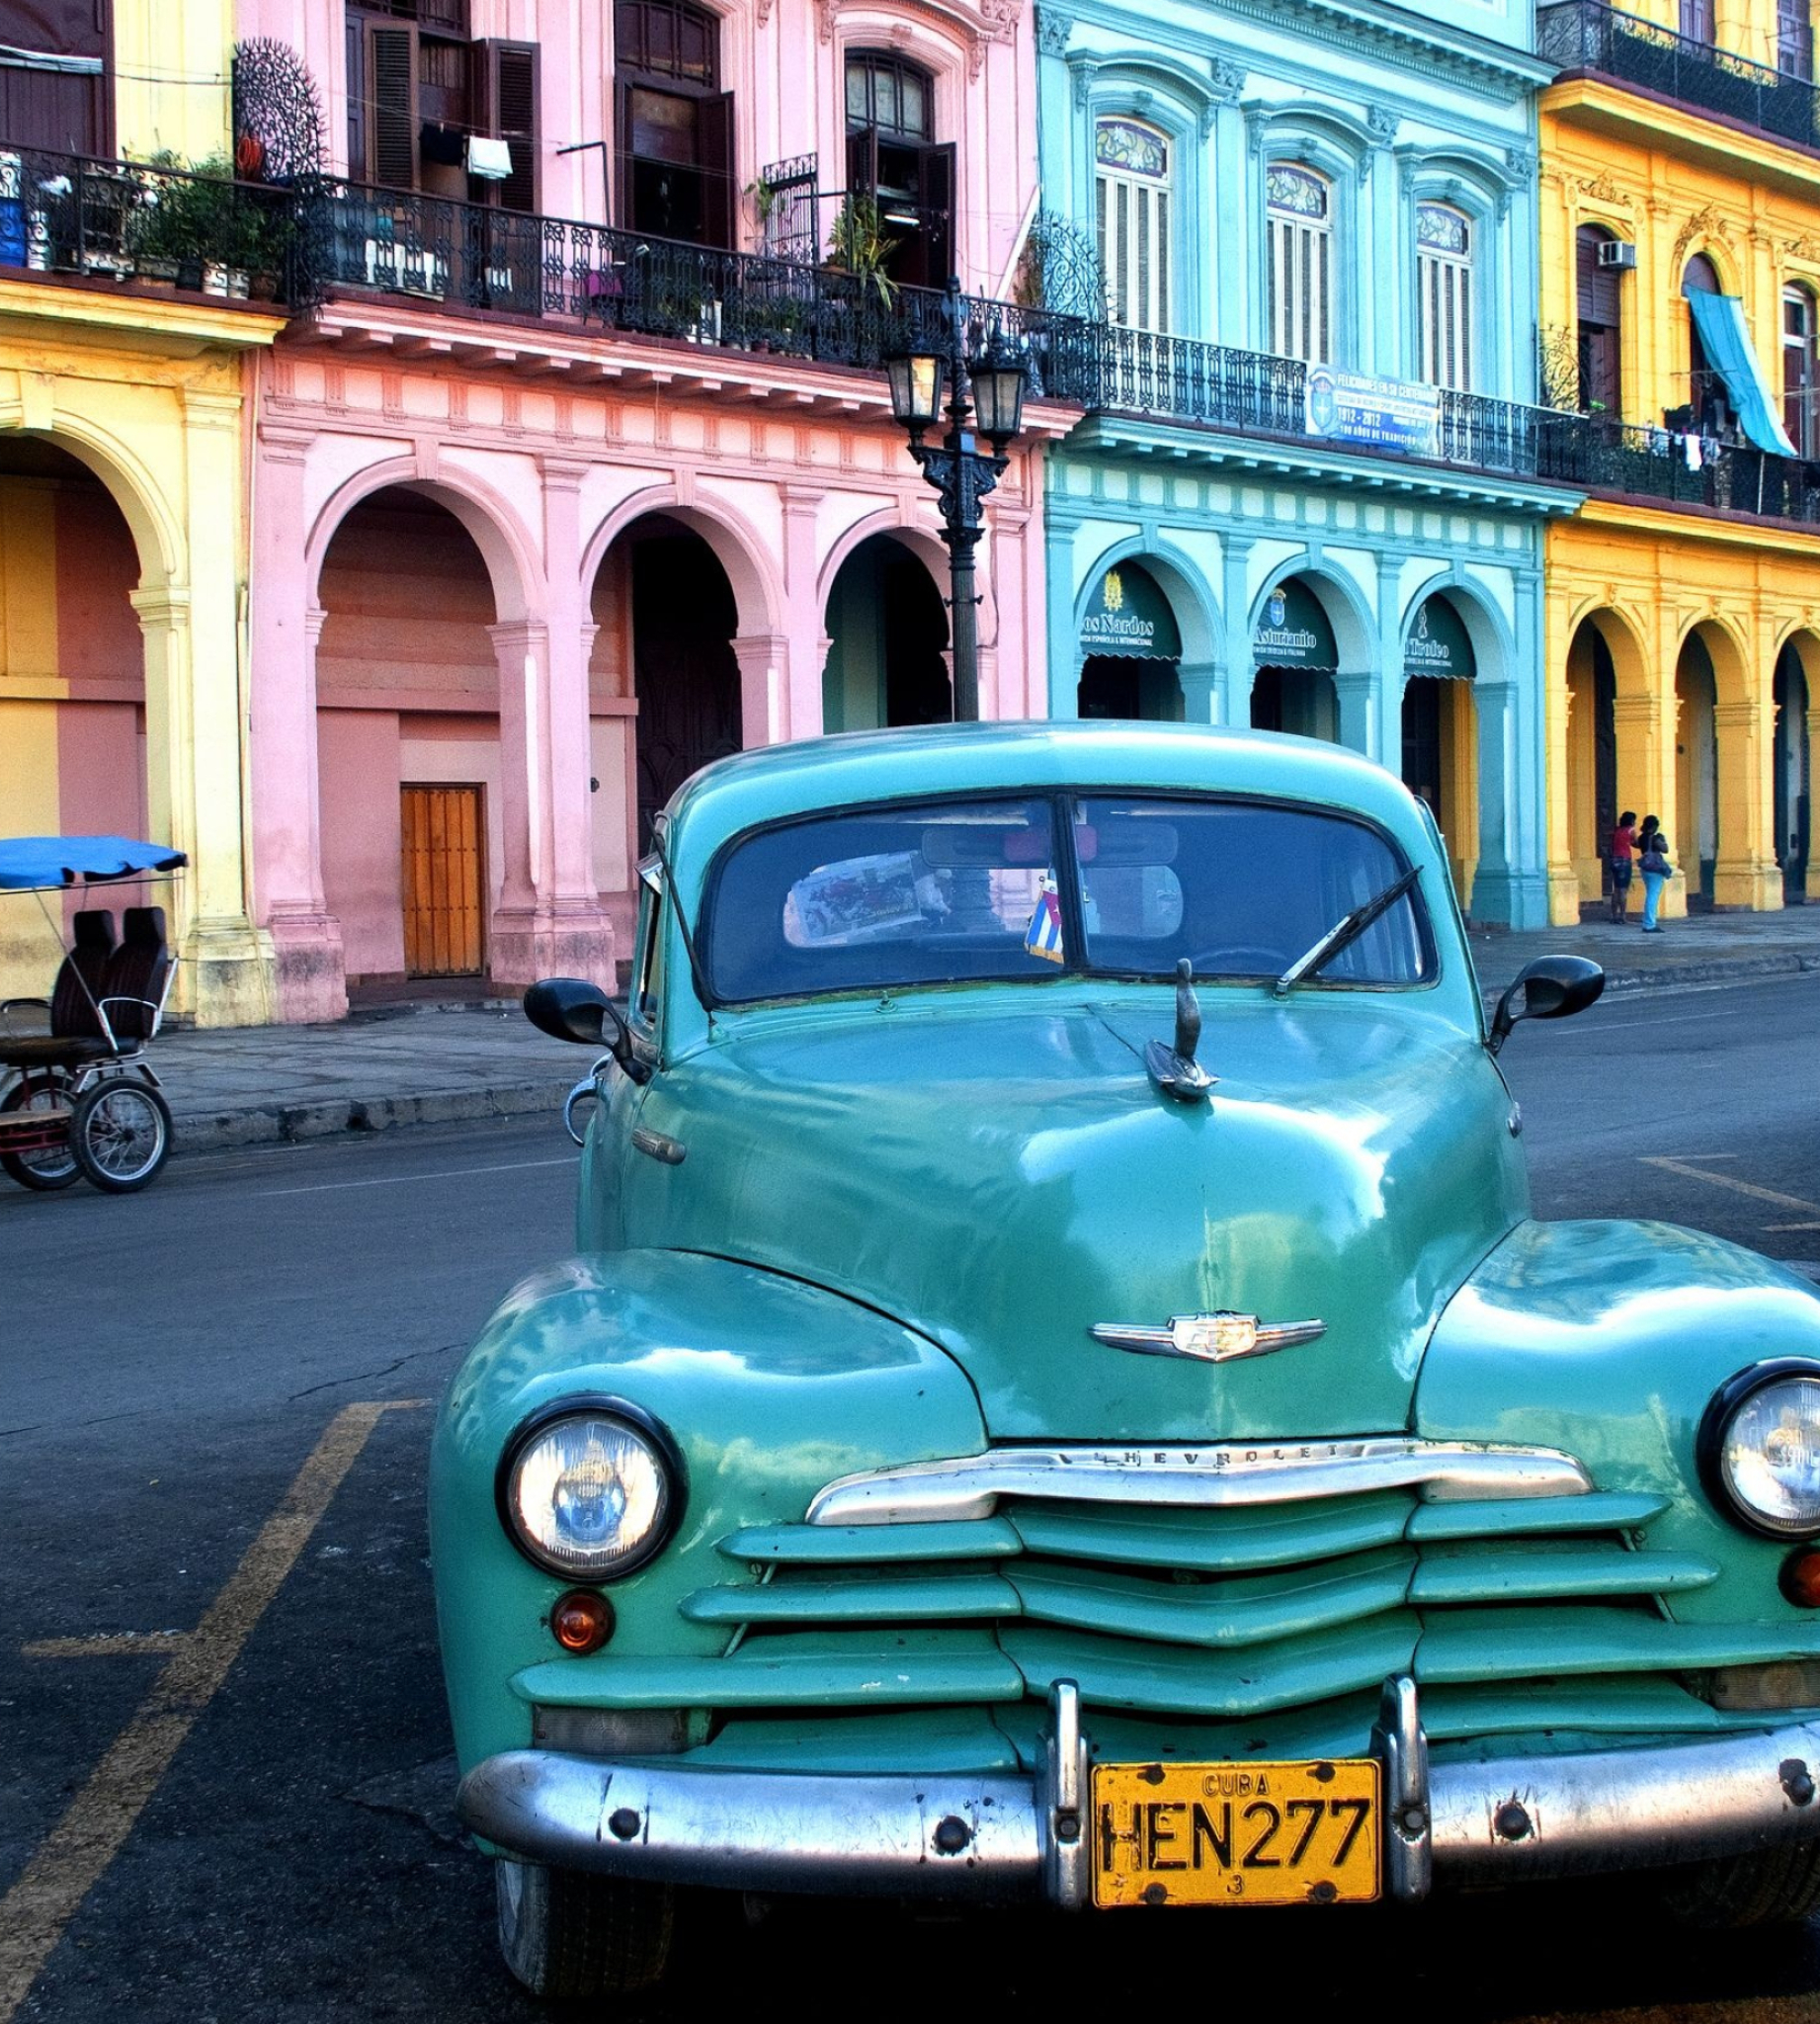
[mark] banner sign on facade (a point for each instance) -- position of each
(1292, 630)
(1130, 614)
(1438, 645)
(1376, 414)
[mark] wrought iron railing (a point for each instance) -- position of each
(147, 223)
(1648, 462)
(1586, 34)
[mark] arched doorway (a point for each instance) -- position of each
(1131, 650)
(74, 732)
(1697, 770)
(1791, 778)
(1592, 759)
(408, 745)
(1440, 730)
(666, 619)
(888, 631)
(1294, 662)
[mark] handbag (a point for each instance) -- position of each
(1656, 865)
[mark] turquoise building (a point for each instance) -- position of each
(1310, 490)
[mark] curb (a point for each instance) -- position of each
(293, 1123)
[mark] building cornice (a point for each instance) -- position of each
(1686, 132)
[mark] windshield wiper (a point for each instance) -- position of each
(1342, 934)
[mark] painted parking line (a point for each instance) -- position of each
(448, 1173)
(1731, 1181)
(75, 1855)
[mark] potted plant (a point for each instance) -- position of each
(859, 246)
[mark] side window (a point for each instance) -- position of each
(648, 963)
(1132, 193)
(1300, 232)
(1444, 287)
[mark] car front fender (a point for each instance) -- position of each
(1608, 1340)
(769, 1388)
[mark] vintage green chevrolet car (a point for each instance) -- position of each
(1059, 1393)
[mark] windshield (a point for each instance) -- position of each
(968, 891)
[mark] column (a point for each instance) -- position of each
(1746, 874)
(197, 729)
(1645, 758)
(575, 934)
(520, 931)
(1064, 646)
(1514, 874)
(1493, 897)
(309, 977)
(1201, 701)
(799, 682)
(764, 660)
(1359, 716)
(1235, 623)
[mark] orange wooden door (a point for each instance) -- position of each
(445, 881)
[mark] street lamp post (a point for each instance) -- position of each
(985, 397)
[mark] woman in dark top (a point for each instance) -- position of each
(1653, 862)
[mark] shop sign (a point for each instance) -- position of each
(1374, 414)
(1438, 645)
(1130, 614)
(1292, 630)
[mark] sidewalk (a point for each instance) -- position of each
(439, 1064)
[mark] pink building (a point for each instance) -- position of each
(547, 513)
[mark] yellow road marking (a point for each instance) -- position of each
(1696, 1173)
(78, 1849)
(111, 1645)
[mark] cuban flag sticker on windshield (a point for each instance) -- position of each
(1044, 936)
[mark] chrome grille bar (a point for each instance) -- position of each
(1217, 1475)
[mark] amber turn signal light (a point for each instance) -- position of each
(1801, 1577)
(582, 1621)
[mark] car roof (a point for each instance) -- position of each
(776, 782)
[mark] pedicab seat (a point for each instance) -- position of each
(75, 1027)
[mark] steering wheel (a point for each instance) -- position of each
(1236, 957)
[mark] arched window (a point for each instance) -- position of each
(1800, 375)
(1597, 301)
(1300, 229)
(676, 124)
(1131, 214)
(1707, 391)
(894, 159)
(1443, 291)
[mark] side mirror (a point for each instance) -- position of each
(1551, 987)
(571, 1008)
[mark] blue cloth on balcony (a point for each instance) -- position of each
(1719, 321)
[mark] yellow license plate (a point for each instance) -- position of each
(1255, 1834)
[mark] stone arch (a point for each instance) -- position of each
(925, 546)
(736, 543)
(1340, 598)
(1189, 601)
(1795, 738)
(506, 546)
(1611, 731)
(1721, 739)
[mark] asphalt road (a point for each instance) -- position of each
(250, 1819)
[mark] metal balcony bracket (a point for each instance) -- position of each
(1400, 1747)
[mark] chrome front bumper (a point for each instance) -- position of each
(1508, 1819)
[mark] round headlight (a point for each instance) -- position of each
(590, 1492)
(1760, 1449)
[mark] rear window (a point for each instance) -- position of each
(970, 892)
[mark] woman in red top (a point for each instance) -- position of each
(1623, 845)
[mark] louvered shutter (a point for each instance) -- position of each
(715, 157)
(506, 89)
(863, 162)
(392, 105)
(936, 197)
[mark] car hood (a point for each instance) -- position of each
(1004, 1180)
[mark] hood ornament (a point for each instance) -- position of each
(1175, 1070)
(1220, 1338)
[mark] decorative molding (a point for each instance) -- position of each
(1523, 164)
(1052, 31)
(1228, 80)
(1705, 223)
(1601, 190)
(1000, 19)
(1257, 127)
(1083, 69)
(763, 13)
(1382, 122)
(1420, 49)
(827, 12)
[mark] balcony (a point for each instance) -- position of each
(1638, 462)
(1585, 35)
(148, 227)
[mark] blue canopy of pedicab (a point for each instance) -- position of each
(48, 863)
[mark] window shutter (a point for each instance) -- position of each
(392, 105)
(715, 155)
(505, 98)
(355, 35)
(936, 194)
(863, 162)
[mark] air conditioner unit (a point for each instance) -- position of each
(1616, 253)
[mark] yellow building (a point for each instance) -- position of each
(122, 394)
(1681, 310)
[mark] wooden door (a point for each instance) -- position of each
(443, 881)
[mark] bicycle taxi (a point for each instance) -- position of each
(78, 1099)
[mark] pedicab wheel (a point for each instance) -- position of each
(122, 1134)
(567, 1936)
(54, 1167)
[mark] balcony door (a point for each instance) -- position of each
(1299, 219)
(1601, 331)
(1800, 373)
(894, 159)
(1131, 216)
(676, 125)
(53, 75)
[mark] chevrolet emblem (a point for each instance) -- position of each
(1220, 1338)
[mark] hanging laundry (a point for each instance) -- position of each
(488, 157)
(1690, 444)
